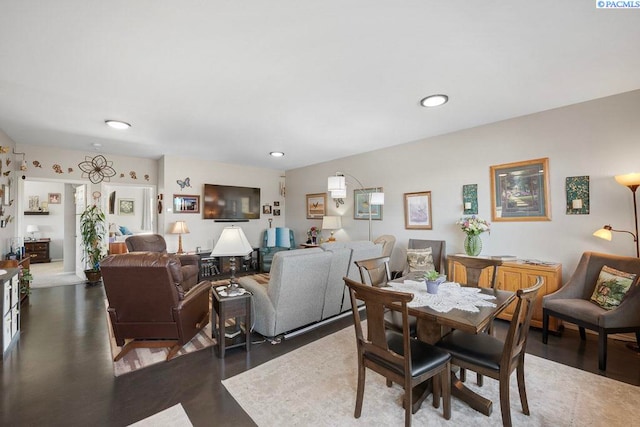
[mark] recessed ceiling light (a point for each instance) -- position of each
(276, 154)
(97, 144)
(434, 100)
(117, 124)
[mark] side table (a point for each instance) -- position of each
(225, 308)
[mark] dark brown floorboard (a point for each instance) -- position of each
(60, 372)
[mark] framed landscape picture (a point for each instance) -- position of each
(316, 205)
(520, 191)
(126, 206)
(361, 204)
(186, 203)
(417, 211)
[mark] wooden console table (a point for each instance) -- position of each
(514, 275)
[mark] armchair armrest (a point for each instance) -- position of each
(189, 259)
(265, 312)
(574, 288)
(194, 293)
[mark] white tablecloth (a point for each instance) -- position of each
(450, 295)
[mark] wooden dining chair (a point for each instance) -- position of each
(396, 356)
(473, 267)
(487, 355)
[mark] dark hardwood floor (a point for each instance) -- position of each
(60, 372)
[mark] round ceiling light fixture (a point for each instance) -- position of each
(117, 124)
(434, 100)
(276, 154)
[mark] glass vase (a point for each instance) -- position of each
(473, 244)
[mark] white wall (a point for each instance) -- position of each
(130, 192)
(203, 232)
(600, 139)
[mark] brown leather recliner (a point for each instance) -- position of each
(148, 302)
(156, 243)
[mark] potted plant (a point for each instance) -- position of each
(433, 279)
(93, 231)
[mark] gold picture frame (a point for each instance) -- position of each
(520, 191)
(417, 211)
(316, 205)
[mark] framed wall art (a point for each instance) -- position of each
(316, 205)
(55, 198)
(126, 206)
(577, 188)
(361, 204)
(417, 211)
(186, 203)
(470, 199)
(266, 209)
(520, 191)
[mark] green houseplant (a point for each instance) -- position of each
(433, 280)
(93, 231)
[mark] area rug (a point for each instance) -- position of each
(143, 357)
(315, 385)
(174, 416)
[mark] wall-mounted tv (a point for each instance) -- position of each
(229, 203)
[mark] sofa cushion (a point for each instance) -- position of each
(611, 287)
(420, 259)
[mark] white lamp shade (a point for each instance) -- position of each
(179, 227)
(232, 242)
(377, 199)
(336, 183)
(331, 222)
(628, 179)
(603, 233)
(339, 194)
(32, 229)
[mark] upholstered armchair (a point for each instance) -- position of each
(190, 264)
(438, 255)
(150, 304)
(275, 240)
(573, 302)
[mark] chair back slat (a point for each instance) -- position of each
(516, 340)
(374, 271)
(474, 268)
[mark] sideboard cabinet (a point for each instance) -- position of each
(38, 250)
(514, 275)
(10, 285)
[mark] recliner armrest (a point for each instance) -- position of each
(194, 293)
(189, 259)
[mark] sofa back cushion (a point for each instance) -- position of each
(297, 286)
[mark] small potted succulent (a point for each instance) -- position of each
(433, 279)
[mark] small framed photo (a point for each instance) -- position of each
(316, 205)
(55, 198)
(266, 209)
(126, 207)
(520, 191)
(361, 210)
(276, 203)
(417, 211)
(276, 212)
(186, 203)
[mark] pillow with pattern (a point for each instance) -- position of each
(611, 287)
(420, 259)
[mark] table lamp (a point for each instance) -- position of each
(232, 243)
(32, 229)
(331, 222)
(179, 228)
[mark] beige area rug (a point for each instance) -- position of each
(174, 416)
(143, 357)
(49, 274)
(315, 385)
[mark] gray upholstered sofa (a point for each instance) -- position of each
(305, 286)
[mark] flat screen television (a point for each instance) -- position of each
(229, 203)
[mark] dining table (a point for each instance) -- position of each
(469, 309)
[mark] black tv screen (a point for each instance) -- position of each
(226, 202)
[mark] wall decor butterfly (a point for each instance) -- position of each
(185, 183)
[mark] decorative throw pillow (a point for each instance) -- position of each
(420, 259)
(611, 287)
(117, 231)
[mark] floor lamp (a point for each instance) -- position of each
(337, 185)
(632, 182)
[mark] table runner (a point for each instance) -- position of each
(450, 295)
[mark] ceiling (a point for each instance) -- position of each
(233, 80)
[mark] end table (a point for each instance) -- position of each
(230, 307)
